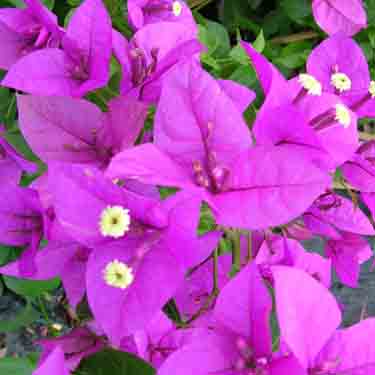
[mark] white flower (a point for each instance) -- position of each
(114, 221)
(372, 89)
(118, 274)
(310, 84)
(343, 115)
(341, 82)
(177, 8)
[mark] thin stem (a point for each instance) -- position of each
(236, 251)
(295, 37)
(43, 309)
(101, 98)
(110, 91)
(249, 247)
(10, 108)
(195, 268)
(366, 136)
(215, 290)
(216, 271)
(198, 4)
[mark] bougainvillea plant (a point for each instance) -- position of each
(170, 172)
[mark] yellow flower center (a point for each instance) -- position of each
(114, 221)
(310, 84)
(341, 82)
(343, 115)
(177, 8)
(118, 275)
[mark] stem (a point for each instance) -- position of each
(198, 4)
(101, 98)
(236, 251)
(295, 37)
(43, 309)
(216, 272)
(110, 91)
(366, 136)
(215, 290)
(249, 247)
(10, 108)
(195, 268)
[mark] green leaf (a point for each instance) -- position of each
(239, 55)
(112, 362)
(30, 288)
(27, 316)
(16, 139)
(260, 42)
(296, 9)
(15, 366)
(294, 55)
(5, 254)
(231, 12)
(370, 5)
(215, 37)
(20, 4)
(245, 75)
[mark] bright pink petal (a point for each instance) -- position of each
(70, 125)
(149, 165)
(43, 72)
(126, 119)
(242, 315)
(308, 314)
(273, 194)
(334, 16)
(54, 364)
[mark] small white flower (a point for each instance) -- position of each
(343, 115)
(341, 82)
(372, 89)
(114, 221)
(177, 8)
(118, 275)
(310, 84)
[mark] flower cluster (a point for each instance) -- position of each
(96, 218)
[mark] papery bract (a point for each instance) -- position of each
(334, 16)
(77, 131)
(359, 171)
(159, 247)
(23, 31)
(12, 163)
(198, 286)
(332, 213)
(213, 150)
(151, 54)
(144, 12)
(54, 364)
(82, 65)
(347, 254)
(76, 345)
(241, 337)
(160, 339)
(63, 259)
(340, 55)
(307, 319)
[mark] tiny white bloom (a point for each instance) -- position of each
(372, 89)
(341, 82)
(310, 84)
(114, 221)
(177, 8)
(118, 275)
(343, 115)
